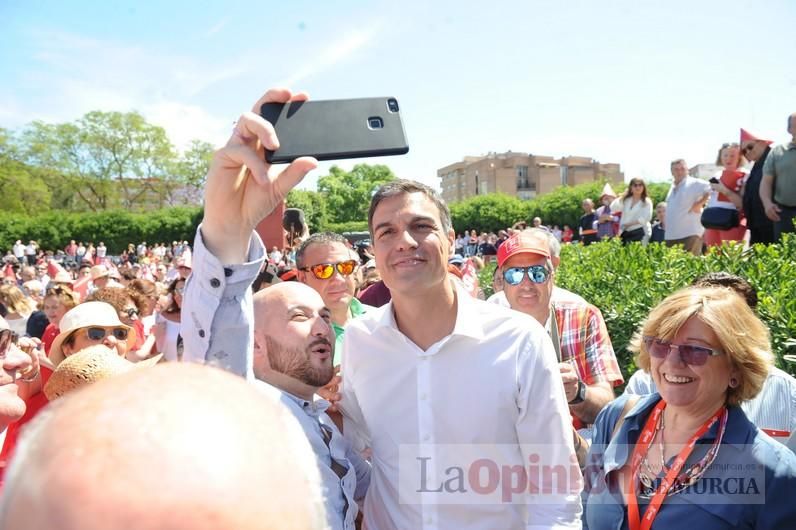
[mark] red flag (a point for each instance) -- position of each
(54, 268)
(80, 287)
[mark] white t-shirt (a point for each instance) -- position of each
(681, 222)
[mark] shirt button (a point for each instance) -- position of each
(227, 272)
(201, 333)
(214, 282)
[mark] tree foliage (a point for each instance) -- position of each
(102, 161)
(313, 205)
(347, 194)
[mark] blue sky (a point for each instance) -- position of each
(634, 82)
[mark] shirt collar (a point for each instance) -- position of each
(468, 321)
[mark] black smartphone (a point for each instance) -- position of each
(336, 129)
(713, 180)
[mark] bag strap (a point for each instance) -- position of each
(629, 404)
(554, 332)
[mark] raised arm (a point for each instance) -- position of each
(242, 189)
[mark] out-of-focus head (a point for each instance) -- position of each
(752, 147)
(792, 125)
(12, 407)
(57, 302)
(708, 318)
(293, 336)
(729, 156)
(660, 211)
(587, 205)
(731, 281)
(679, 169)
(135, 451)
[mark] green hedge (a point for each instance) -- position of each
(116, 229)
(626, 282)
(562, 206)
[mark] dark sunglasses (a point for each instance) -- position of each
(97, 334)
(747, 148)
(131, 312)
(693, 355)
(324, 271)
(536, 273)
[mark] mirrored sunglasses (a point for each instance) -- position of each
(536, 273)
(324, 271)
(97, 334)
(690, 354)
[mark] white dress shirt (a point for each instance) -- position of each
(489, 390)
(638, 215)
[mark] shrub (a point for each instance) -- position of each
(116, 228)
(625, 282)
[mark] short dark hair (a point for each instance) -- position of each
(730, 281)
(403, 186)
(317, 239)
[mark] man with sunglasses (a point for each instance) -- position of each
(761, 228)
(91, 323)
(778, 185)
(587, 363)
(327, 264)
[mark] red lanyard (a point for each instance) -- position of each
(641, 449)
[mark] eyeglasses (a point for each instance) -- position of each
(638, 185)
(179, 290)
(96, 334)
(690, 354)
(131, 312)
(536, 273)
(747, 148)
(324, 271)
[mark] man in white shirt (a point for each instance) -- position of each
(451, 369)
(684, 209)
(441, 386)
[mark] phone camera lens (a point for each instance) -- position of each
(375, 123)
(392, 105)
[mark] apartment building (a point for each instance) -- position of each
(520, 174)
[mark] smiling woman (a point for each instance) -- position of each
(707, 352)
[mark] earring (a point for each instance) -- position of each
(734, 382)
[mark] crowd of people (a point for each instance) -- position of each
(331, 385)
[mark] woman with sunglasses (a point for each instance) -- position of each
(167, 324)
(688, 455)
(727, 186)
(634, 224)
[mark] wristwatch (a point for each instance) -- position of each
(580, 395)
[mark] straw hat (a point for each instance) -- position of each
(88, 366)
(62, 277)
(86, 315)
(99, 271)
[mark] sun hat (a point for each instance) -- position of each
(608, 191)
(62, 277)
(522, 243)
(99, 271)
(88, 366)
(85, 315)
(746, 136)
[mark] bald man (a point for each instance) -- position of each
(169, 447)
(293, 352)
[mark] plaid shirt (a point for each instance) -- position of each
(584, 339)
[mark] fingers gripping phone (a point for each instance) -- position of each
(336, 129)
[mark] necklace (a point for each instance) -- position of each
(649, 478)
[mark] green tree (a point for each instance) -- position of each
(313, 205)
(104, 159)
(491, 212)
(347, 193)
(189, 173)
(21, 187)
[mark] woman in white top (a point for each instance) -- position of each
(634, 224)
(19, 308)
(727, 184)
(167, 326)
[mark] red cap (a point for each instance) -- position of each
(746, 136)
(522, 243)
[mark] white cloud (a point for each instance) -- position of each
(334, 54)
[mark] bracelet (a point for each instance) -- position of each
(29, 375)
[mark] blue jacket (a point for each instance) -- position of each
(750, 484)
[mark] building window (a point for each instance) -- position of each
(522, 177)
(564, 174)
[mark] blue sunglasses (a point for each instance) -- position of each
(536, 273)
